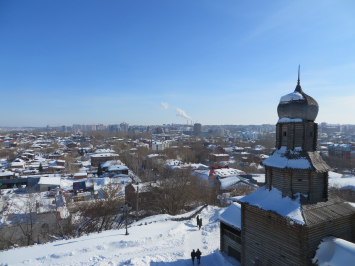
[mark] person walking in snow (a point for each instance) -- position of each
(198, 256)
(199, 224)
(198, 220)
(193, 255)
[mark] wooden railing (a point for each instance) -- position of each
(232, 236)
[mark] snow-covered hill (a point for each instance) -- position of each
(156, 242)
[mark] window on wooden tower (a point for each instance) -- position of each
(285, 134)
(311, 134)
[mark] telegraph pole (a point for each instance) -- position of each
(137, 201)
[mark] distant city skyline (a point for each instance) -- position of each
(158, 62)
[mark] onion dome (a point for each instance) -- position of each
(298, 105)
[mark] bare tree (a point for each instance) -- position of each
(104, 213)
(176, 192)
(21, 218)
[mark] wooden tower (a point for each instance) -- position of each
(283, 222)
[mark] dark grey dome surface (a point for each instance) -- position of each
(305, 108)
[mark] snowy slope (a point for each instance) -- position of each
(157, 243)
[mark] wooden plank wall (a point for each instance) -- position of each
(341, 228)
(271, 239)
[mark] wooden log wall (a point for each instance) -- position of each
(300, 182)
(309, 136)
(270, 239)
(317, 186)
(299, 131)
(226, 242)
(290, 135)
(287, 185)
(326, 186)
(268, 178)
(277, 178)
(278, 135)
(315, 140)
(341, 228)
(303, 135)
(283, 137)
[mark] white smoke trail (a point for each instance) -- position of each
(165, 105)
(182, 113)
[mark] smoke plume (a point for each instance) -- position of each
(182, 113)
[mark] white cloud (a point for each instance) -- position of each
(164, 105)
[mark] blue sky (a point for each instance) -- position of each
(222, 62)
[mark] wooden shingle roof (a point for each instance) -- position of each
(321, 212)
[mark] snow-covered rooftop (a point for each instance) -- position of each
(289, 120)
(279, 160)
(273, 201)
(224, 172)
(117, 168)
(334, 251)
(229, 181)
(294, 96)
(232, 215)
(6, 173)
(49, 181)
(98, 155)
(98, 151)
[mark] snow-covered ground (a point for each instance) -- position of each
(156, 242)
(336, 181)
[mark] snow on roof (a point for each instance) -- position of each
(232, 215)
(18, 163)
(202, 173)
(273, 201)
(81, 174)
(260, 178)
(103, 155)
(289, 120)
(294, 96)
(176, 164)
(98, 151)
(334, 251)
(279, 160)
(224, 172)
(153, 155)
(117, 168)
(6, 173)
(144, 187)
(111, 163)
(49, 181)
(229, 181)
(263, 156)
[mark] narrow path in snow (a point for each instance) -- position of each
(194, 241)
